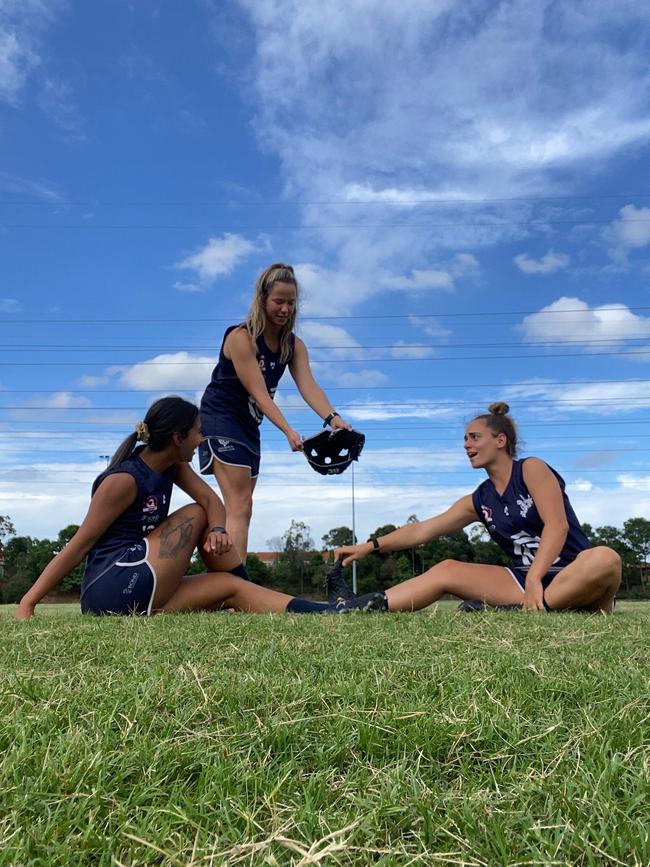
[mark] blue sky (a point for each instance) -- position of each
(462, 187)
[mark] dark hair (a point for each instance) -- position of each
(499, 422)
(167, 416)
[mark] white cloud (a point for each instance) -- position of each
(630, 231)
(64, 400)
(572, 320)
(56, 100)
(10, 305)
(420, 280)
(549, 263)
(218, 257)
(604, 398)
(22, 25)
(378, 411)
(35, 189)
(175, 370)
(436, 149)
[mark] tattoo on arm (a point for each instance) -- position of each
(174, 537)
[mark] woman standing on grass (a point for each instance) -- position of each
(525, 509)
(137, 553)
(252, 359)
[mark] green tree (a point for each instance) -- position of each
(338, 536)
(258, 571)
(291, 571)
(486, 549)
(636, 533)
(614, 538)
(7, 529)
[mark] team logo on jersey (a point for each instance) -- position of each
(525, 547)
(506, 511)
(262, 363)
(150, 504)
(525, 504)
(225, 445)
(487, 514)
(272, 365)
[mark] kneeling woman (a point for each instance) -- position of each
(137, 553)
(525, 509)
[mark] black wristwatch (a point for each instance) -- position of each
(375, 544)
(329, 418)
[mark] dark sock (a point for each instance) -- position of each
(305, 606)
(240, 571)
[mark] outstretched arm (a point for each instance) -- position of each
(410, 535)
(114, 495)
(310, 389)
(214, 541)
(240, 350)
(547, 495)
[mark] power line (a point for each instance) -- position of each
(306, 318)
(496, 223)
(560, 197)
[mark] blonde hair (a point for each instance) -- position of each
(499, 422)
(256, 319)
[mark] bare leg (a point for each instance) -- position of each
(222, 590)
(589, 583)
(237, 489)
(171, 546)
(492, 584)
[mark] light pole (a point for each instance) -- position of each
(354, 537)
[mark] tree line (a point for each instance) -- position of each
(301, 567)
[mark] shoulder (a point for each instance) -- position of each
(535, 472)
(534, 468)
(118, 483)
(239, 340)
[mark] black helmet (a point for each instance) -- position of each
(331, 452)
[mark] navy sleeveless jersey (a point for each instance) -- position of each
(146, 512)
(227, 409)
(513, 522)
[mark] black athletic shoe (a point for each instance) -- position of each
(337, 587)
(367, 602)
(479, 605)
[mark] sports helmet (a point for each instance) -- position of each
(332, 452)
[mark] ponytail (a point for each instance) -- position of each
(165, 417)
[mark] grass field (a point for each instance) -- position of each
(428, 739)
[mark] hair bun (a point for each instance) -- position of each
(498, 409)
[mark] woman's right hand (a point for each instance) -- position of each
(25, 610)
(348, 553)
(295, 440)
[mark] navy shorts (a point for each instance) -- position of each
(229, 452)
(126, 587)
(520, 577)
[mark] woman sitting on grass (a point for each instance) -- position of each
(526, 511)
(137, 553)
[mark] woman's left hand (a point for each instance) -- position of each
(217, 543)
(339, 423)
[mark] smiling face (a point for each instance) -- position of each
(482, 446)
(280, 304)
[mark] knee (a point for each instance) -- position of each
(443, 569)
(604, 566)
(606, 560)
(240, 506)
(197, 514)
